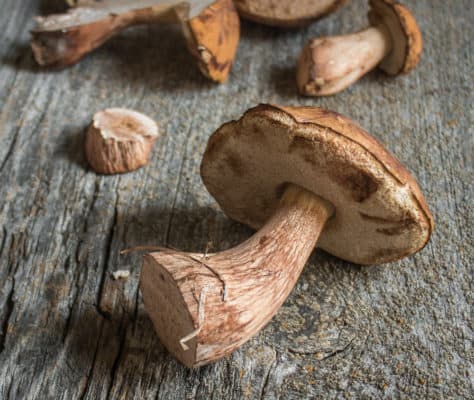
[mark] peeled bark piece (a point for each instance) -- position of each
(286, 13)
(302, 176)
(211, 29)
(328, 65)
(119, 140)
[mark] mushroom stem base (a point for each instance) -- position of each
(204, 306)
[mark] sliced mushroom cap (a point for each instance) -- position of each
(407, 42)
(286, 13)
(380, 214)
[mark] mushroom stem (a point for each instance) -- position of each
(211, 29)
(204, 306)
(330, 64)
(63, 39)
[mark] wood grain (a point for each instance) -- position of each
(68, 330)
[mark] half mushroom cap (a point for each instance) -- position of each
(407, 42)
(286, 13)
(380, 213)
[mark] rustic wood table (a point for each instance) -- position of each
(69, 331)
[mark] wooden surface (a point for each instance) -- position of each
(68, 330)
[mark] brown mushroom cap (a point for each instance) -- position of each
(380, 213)
(407, 43)
(286, 13)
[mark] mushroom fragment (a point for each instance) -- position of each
(300, 176)
(286, 13)
(211, 29)
(119, 140)
(393, 42)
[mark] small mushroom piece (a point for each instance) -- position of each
(211, 29)
(119, 140)
(301, 176)
(286, 13)
(393, 42)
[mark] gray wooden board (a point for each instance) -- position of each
(69, 331)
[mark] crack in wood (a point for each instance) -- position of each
(4, 239)
(10, 149)
(116, 363)
(328, 355)
(76, 285)
(178, 184)
(108, 253)
(82, 395)
(267, 377)
(9, 306)
(19, 128)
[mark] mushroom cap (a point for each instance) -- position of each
(286, 13)
(380, 214)
(407, 42)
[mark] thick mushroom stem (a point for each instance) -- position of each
(205, 306)
(63, 39)
(211, 29)
(330, 64)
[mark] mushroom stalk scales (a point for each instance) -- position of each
(244, 286)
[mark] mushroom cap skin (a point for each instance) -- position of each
(286, 13)
(380, 214)
(407, 42)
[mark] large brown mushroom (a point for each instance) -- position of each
(393, 42)
(301, 176)
(211, 29)
(286, 13)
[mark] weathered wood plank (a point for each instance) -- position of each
(68, 330)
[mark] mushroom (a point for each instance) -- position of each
(286, 13)
(393, 42)
(211, 29)
(302, 176)
(119, 140)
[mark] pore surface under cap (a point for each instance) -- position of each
(380, 213)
